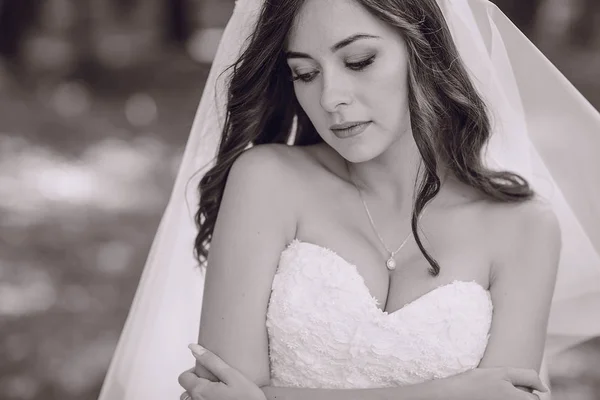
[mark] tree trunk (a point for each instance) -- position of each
(16, 18)
(522, 13)
(177, 24)
(583, 30)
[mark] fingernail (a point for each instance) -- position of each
(197, 349)
(546, 389)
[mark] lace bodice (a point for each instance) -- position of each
(326, 331)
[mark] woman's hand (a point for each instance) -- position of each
(494, 384)
(232, 386)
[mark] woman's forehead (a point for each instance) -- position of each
(322, 23)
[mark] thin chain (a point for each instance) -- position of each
(392, 253)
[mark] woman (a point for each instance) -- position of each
(367, 91)
(379, 91)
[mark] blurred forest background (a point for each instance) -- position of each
(96, 101)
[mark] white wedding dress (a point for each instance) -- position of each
(327, 331)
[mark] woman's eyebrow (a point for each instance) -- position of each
(339, 45)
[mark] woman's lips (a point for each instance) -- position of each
(347, 130)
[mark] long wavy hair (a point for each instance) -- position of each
(450, 122)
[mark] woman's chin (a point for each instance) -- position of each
(357, 154)
(360, 148)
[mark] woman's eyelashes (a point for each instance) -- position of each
(308, 77)
(354, 66)
(360, 65)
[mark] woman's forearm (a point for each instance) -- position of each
(431, 390)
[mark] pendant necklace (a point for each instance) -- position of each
(390, 262)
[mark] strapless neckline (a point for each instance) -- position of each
(326, 330)
(354, 270)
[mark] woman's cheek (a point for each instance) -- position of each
(388, 93)
(310, 103)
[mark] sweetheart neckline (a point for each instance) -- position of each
(354, 268)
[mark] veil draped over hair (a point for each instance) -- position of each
(543, 129)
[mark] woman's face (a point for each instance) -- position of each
(350, 68)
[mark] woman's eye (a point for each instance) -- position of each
(360, 65)
(308, 77)
(355, 66)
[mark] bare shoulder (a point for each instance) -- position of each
(526, 231)
(274, 177)
(529, 220)
(283, 170)
(271, 168)
(266, 161)
(273, 161)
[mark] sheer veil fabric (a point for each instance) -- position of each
(543, 129)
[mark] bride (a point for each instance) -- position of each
(366, 245)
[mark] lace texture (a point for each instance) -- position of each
(326, 331)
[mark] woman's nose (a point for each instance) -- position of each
(335, 92)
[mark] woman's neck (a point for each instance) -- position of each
(389, 179)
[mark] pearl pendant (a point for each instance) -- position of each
(390, 264)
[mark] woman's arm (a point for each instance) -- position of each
(477, 384)
(256, 220)
(522, 285)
